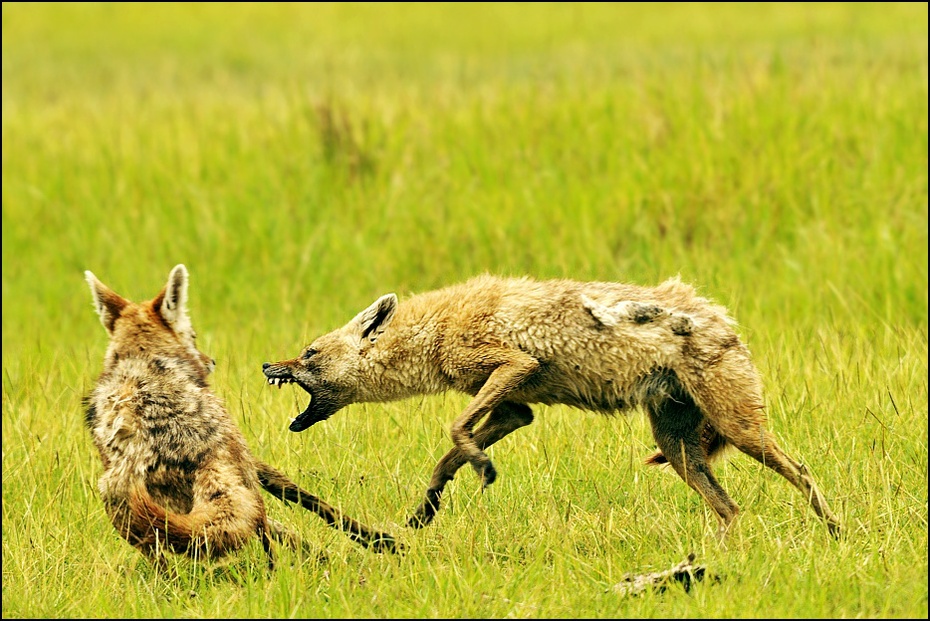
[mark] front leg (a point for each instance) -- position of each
(514, 368)
(504, 419)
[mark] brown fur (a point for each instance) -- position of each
(177, 473)
(599, 346)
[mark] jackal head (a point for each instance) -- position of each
(158, 328)
(332, 367)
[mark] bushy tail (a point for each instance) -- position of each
(278, 485)
(151, 525)
(711, 441)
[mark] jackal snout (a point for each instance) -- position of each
(326, 397)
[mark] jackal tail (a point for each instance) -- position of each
(152, 524)
(711, 441)
(278, 485)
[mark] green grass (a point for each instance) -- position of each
(303, 159)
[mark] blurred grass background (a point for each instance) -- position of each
(302, 159)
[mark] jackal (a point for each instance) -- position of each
(177, 473)
(600, 346)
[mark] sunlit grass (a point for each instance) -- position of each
(303, 159)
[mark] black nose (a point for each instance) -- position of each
(265, 365)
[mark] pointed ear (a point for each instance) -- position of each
(107, 303)
(173, 306)
(373, 320)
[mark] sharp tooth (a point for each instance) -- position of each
(271, 380)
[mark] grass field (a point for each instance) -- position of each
(304, 159)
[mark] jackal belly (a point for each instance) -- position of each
(595, 391)
(605, 374)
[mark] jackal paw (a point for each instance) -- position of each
(420, 518)
(487, 473)
(425, 513)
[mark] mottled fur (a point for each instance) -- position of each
(598, 346)
(177, 473)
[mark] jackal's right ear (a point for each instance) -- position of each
(107, 302)
(173, 302)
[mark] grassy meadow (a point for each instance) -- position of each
(304, 159)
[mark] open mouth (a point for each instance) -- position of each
(305, 418)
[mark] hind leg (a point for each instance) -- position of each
(757, 442)
(730, 394)
(677, 426)
(504, 419)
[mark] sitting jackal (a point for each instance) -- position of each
(177, 473)
(600, 346)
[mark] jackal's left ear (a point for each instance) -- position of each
(173, 305)
(373, 320)
(107, 302)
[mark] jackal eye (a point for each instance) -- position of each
(307, 354)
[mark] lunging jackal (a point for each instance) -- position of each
(177, 473)
(598, 346)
